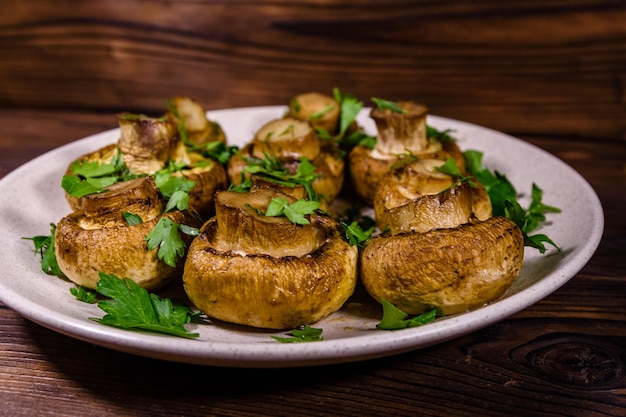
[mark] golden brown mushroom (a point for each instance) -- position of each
(399, 133)
(289, 141)
(454, 269)
(417, 197)
(267, 272)
(148, 145)
(321, 110)
(99, 239)
(189, 115)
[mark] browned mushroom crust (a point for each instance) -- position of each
(299, 142)
(454, 269)
(367, 167)
(98, 239)
(416, 197)
(189, 114)
(266, 291)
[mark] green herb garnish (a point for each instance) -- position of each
(166, 237)
(84, 294)
(504, 201)
(306, 334)
(394, 318)
(44, 245)
(133, 308)
(388, 105)
(295, 212)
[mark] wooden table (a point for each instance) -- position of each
(551, 73)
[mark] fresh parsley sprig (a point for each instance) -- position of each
(451, 168)
(358, 227)
(305, 334)
(133, 308)
(394, 318)
(295, 211)
(388, 105)
(273, 170)
(44, 245)
(166, 237)
(347, 137)
(503, 196)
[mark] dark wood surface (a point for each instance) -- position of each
(550, 72)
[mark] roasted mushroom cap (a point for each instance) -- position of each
(399, 133)
(417, 197)
(289, 141)
(148, 144)
(99, 239)
(454, 269)
(189, 115)
(369, 166)
(321, 110)
(265, 272)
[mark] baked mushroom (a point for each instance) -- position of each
(287, 142)
(321, 110)
(190, 116)
(98, 238)
(419, 197)
(267, 272)
(399, 133)
(454, 269)
(148, 146)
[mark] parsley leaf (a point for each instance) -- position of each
(132, 219)
(452, 169)
(388, 105)
(306, 334)
(165, 236)
(355, 234)
(394, 318)
(273, 170)
(295, 212)
(439, 135)
(45, 246)
(84, 294)
(504, 202)
(132, 307)
(77, 187)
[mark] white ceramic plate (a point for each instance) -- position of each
(31, 199)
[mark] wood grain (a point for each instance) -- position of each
(526, 67)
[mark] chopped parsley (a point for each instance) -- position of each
(305, 334)
(394, 318)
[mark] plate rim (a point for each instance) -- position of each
(303, 354)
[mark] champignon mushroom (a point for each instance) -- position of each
(289, 141)
(190, 116)
(99, 239)
(267, 272)
(321, 110)
(417, 197)
(147, 145)
(454, 269)
(399, 133)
